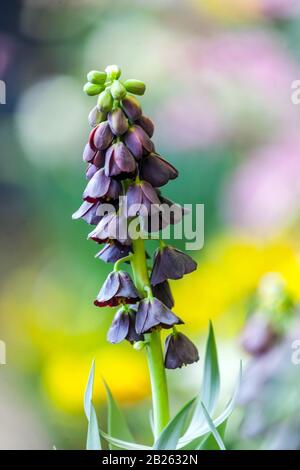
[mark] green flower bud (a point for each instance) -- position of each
(118, 90)
(113, 72)
(105, 101)
(135, 86)
(92, 89)
(139, 345)
(96, 77)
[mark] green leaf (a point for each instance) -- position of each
(117, 425)
(88, 395)
(170, 435)
(211, 377)
(203, 428)
(123, 444)
(211, 383)
(213, 429)
(93, 437)
(209, 442)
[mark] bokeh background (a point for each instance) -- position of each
(219, 78)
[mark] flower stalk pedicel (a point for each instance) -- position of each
(122, 161)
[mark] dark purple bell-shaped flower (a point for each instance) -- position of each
(123, 327)
(113, 251)
(170, 263)
(146, 124)
(117, 121)
(102, 136)
(102, 187)
(118, 288)
(88, 212)
(138, 142)
(179, 351)
(95, 117)
(111, 226)
(163, 293)
(131, 107)
(119, 161)
(156, 170)
(141, 197)
(152, 313)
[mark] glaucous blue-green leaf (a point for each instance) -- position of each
(123, 444)
(93, 437)
(213, 429)
(210, 384)
(116, 425)
(203, 428)
(169, 437)
(209, 442)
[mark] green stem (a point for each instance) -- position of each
(159, 388)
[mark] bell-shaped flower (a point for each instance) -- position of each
(170, 263)
(102, 187)
(179, 351)
(117, 289)
(152, 313)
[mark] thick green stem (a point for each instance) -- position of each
(154, 350)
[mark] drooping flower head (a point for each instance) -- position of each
(124, 175)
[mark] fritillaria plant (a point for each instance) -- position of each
(125, 174)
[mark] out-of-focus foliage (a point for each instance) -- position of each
(218, 78)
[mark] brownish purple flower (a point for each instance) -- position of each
(167, 213)
(163, 293)
(102, 136)
(119, 161)
(156, 170)
(170, 263)
(112, 226)
(118, 288)
(102, 187)
(88, 212)
(117, 121)
(258, 335)
(179, 351)
(138, 142)
(113, 251)
(146, 124)
(152, 313)
(141, 197)
(123, 327)
(131, 107)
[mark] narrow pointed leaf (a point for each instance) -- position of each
(211, 383)
(211, 378)
(88, 396)
(123, 444)
(209, 443)
(213, 429)
(203, 428)
(170, 435)
(93, 437)
(117, 425)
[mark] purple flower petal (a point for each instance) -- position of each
(179, 351)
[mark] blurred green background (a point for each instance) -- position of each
(219, 78)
